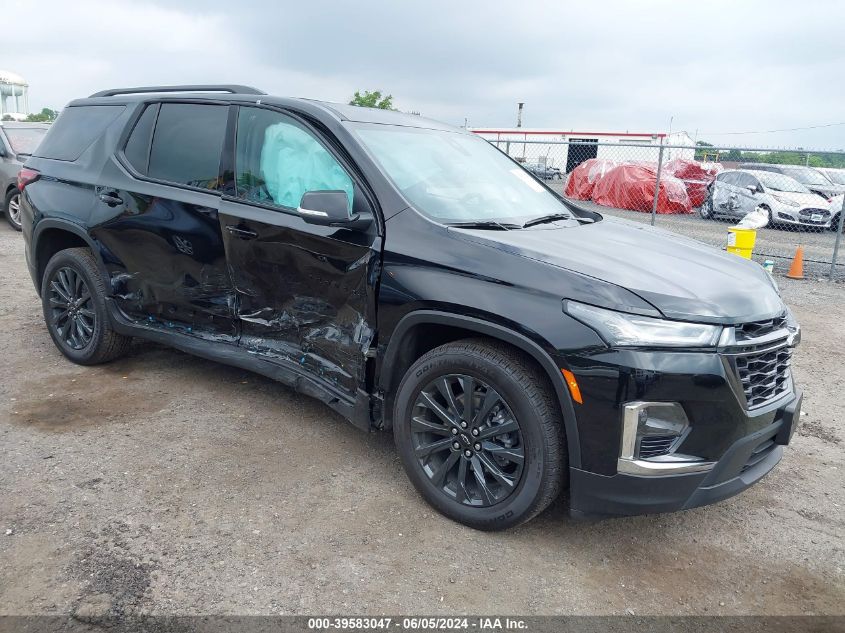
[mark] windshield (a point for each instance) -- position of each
(453, 177)
(779, 182)
(807, 176)
(24, 140)
(836, 176)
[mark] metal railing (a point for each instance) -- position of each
(674, 186)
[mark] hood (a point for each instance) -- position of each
(682, 278)
(806, 199)
(828, 190)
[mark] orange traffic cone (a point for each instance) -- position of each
(796, 270)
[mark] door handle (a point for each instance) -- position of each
(244, 234)
(111, 198)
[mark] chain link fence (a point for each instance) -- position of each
(700, 191)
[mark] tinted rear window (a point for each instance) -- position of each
(75, 129)
(187, 144)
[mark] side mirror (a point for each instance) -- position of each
(327, 208)
(753, 189)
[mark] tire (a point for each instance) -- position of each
(772, 224)
(13, 209)
(523, 461)
(73, 301)
(706, 208)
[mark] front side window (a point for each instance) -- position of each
(187, 144)
(453, 177)
(277, 160)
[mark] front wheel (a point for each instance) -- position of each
(13, 209)
(480, 434)
(706, 208)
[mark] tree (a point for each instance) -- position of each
(45, 116)
(372, 99)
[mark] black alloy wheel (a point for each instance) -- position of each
(72, 314)
(480, 433)
(73, 298)
(467, 440)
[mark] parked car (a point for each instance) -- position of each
(736, 193)
(414, 279)
(836, 176)
(17, 142)
(544, 172)
(810, 177)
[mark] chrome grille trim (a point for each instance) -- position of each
(760, 354)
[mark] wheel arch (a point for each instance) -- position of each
(52, 235)
(422, 330)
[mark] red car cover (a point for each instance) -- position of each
(632, 187)
(583, 178)
(696, 176)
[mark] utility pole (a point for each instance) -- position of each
(519, 114)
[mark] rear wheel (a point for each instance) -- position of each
(73, 300)
(13, 209)
(480, 435)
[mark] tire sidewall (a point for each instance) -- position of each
(69, 259)
(706, 209)
(9, 196)
(518, 504)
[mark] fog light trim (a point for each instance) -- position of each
(670, 464)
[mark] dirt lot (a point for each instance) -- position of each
(164, 484)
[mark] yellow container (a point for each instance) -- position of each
(741, 241)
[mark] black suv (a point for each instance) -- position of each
(413, 278)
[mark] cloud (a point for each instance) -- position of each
(714, 67)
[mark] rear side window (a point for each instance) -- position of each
(187, 144)
(75, 129)
(137, 149)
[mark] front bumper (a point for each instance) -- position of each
(802, 216)
(744, 463)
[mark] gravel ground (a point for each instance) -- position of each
(165, 484)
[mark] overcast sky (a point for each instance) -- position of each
(714, 67)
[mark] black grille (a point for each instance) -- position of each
(764, 375)
(654, 445)
(755, 329)
(825, 213)
(760, 453)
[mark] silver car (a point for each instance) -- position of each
(17, 142)
(735, 193)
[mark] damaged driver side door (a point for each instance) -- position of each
(305, 292)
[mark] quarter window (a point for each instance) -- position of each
(187, 144)
(137, 149)
(277, 160)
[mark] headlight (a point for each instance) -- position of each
(786, 201)
(630, 330)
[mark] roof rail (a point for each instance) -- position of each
(231, 88)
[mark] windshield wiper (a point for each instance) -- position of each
(486, 224)
(547, 218)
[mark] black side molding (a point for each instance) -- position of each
(230, 88)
